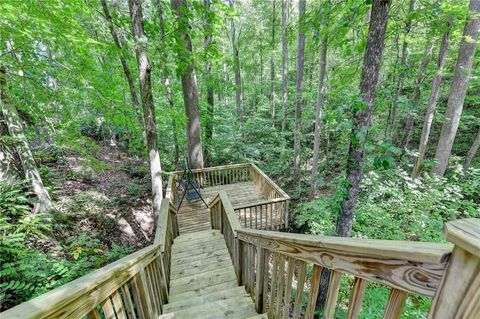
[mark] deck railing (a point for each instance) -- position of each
(271, 213)
(135, 286)
(273, 267)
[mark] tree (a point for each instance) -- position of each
(284, 63)
(126, 70)
(432, 102)
(318, 111)
(189, 86)
(16, 131)
(234, 38)
(459, 88)
(208, 71)
(272, 66)
(299, 90)
(471, 153)
(362, 118)
(145, 79)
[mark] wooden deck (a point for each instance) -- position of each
(193, 217)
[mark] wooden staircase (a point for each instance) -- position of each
(203, 283)
(227, 261)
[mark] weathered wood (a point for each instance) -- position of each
(288, 288)
(417, 267)
(94, 314)
(356, 298)
(260, 273)
(273, 283)
(118, 305)
(107, 308)
(302, 271)
(129, 306)
(280, 287)
(395, 303)
(314, 288)
(332, 294)
(459, 292)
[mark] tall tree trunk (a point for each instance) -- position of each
(284, 63)
(238, 75)
(145, 79)
(427, 56)
(208, 72)
(15, 130)
(189, 86)
(459, 88)
(471, 154)
(363, 117)
(272, 65)
(126, 70)
(432, 102)
(299, 90)
(318, 115)
(401, 76)
(168, 87)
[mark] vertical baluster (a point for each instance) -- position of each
(245, 217)
(259, 280)
(128, 302)
(281, 283)
(107, 308)
(276, 260)
(256, 218)
(271, 216)
(332, 294)
(118, 305)
(151, 291)
(314, 287)
(250, 216)
(288, 288)
(300, 283)
(356, 298)
(395, 303)
(141, 296)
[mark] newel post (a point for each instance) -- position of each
(459, 293)
(238, 259)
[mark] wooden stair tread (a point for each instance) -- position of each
(229, 308)
(207, 255)
(205, 298)
(198, 278)
(202, 291)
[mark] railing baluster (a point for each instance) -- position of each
(300, 283)
(93, 314)
(314, 287)
(332, 294)
(281, 283)
(118, 305)
(107, 308)
(256, 217)
(288, 288)
(273, 284)
(259, 280)
(128, 302)
(395, 303)
(356, 298)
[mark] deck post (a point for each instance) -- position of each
(459, 293)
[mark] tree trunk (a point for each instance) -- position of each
(299, 91)
(401, 76)
(318, 115)
(210, 93)
(189, 86)
(126, 70)
(145, 79)
(459, 88)
(432, 102)
(15, 130)
(284, 63)
(238, 75)
(168, 88)
(363, 117)
(427, 55)
(272, 66)
(471, 153)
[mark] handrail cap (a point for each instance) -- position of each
(464, 233)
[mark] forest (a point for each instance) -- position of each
(366, 112)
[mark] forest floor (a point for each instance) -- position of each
(102, 192)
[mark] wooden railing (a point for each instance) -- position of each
(273, 268)
(269, 214)
(135, 286)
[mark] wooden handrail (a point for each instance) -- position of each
(264, 202)
(270, 182)
(137, 283)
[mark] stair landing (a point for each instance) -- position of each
(203, 282)
(194, 217)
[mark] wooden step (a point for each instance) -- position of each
(238, 308)
(207, 255)
(183, 238)
(211, 247)
(203, 281)
(202, 291)
(201, 276)
(206, 298)
(198, 264)
(180, 247)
